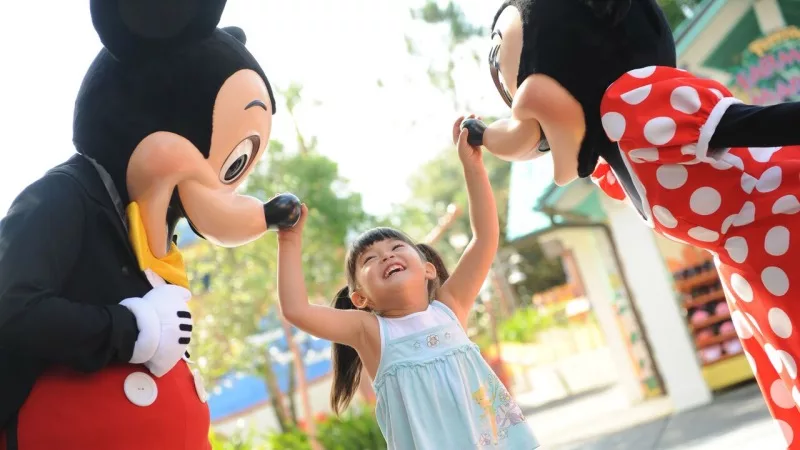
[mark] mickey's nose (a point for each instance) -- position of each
(282, 211)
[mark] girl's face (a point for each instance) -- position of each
(391, 274)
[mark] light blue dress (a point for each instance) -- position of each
(436, 392)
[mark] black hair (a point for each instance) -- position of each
(346, 363)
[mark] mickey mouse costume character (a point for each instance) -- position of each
(598, 79)
(172, 116)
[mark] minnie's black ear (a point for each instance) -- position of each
(133, 28)
(237, 34)
(611, 11)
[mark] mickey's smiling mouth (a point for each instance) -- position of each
(393, 269)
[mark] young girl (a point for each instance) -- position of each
(402, 318)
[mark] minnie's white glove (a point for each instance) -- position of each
(165, 327)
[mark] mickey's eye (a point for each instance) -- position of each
(239, 160)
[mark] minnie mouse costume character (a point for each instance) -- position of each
(598, 79)
(94, 322)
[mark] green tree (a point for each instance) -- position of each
(440, 181)
(239, 284)
(677, 11)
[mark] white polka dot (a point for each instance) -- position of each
(741, 287)
(753, 323)
(685, 99)
(748, 183)
(721, 164)
(779, 322)
(614, 124)
(642, 72)
(727, 292)
(660, 130)
(746, 216)
(672, 176)
(780, 395)
(637, 95)
(770, 180)
(752, 362)
(776, 242)
(664, 217)
(788, 364)
(775, 280)
(762, 154)
(726, 224)
(703, 234)
(787, 204)
(733, 160)
(743, 329)
(717, 93)
(644, 154)
(786, 430)
(705, 201)
(774, 357)
(737, 248)
(689, 149)
(610, 178)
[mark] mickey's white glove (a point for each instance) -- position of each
(165, 327)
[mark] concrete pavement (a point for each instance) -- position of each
(600, 420)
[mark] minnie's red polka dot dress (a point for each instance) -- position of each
(739, 203)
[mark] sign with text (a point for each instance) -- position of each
(770, 69)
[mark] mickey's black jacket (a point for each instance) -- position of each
(65, 264)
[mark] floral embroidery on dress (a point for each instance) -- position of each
(417, 345)
(433, 340)
(499, 411)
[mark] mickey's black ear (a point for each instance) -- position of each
(611, 11)
(133, 28)
(237, 33)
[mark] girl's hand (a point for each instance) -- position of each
(469, 155)
(295, 233)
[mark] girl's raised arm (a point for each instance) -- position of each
(340, 326)
(461, 289)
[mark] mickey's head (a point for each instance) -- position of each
(552, 61)
(178, 112)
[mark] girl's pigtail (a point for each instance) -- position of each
(346, 363)
(433, 257)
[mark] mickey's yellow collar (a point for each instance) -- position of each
(171, 267)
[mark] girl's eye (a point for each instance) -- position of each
(367, 259)
(397, 246)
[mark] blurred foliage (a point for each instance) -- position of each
(356, 430)
(238, 285)
(525, 325)
(675, 10)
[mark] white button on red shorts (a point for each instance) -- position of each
(141, 389)
(199, 386)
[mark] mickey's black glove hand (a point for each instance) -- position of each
(282, 211)
(165, 327)
(475, 128)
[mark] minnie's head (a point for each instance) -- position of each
(561, 56)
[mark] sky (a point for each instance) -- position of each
(338, 50)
